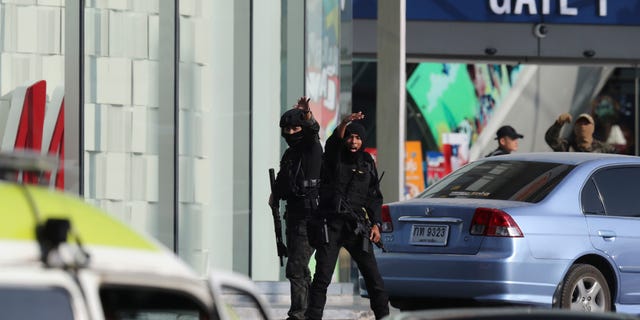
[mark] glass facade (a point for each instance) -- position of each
(32, 73)
(122, 111)
(170, 108)
(322, 70)
(169, 127)
(195, 151)
(454, 109)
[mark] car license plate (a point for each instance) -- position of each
(429, 234)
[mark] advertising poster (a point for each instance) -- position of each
(455, 150)
(435, 167)
(322, 78)
(456, 97)
(414, 169)
(373, 152)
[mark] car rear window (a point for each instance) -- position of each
(133, 303)
(526, 181)
(35, 303)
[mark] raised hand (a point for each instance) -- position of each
(353, 117)
(564, 118)
(303, 104)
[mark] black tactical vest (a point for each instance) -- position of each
(354, 179)
(291, 182)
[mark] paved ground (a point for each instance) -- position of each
(342, 303)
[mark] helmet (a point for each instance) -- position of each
(292, 118)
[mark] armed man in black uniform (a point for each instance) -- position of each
(350, 204)
(297, 182)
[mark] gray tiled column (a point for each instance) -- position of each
(167, 122)
(390, 97)
(73, 80)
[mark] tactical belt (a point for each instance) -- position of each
(310, 183)
(304, 203)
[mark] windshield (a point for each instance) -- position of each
(526, 181)
(52, 303)
(132, 303)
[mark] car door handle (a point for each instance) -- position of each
(607, 234)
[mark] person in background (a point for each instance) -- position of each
(507, 141)
(351, 204)
(297, 182)
(582, 140)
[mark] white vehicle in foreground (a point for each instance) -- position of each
(61, 258)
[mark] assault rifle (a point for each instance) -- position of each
(277, 224)
(363, 225)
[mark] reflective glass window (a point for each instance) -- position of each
(591, 203)
(241, 304)
(35, 303)
(618, 187)
(122, 302)
(504, 180)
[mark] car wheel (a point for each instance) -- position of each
(585, 289)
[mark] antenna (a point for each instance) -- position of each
(14, 164)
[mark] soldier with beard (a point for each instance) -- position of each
(349, 194)
(582, 139)
(297, 183)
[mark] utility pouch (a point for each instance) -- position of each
(366, 244)
(342, 206)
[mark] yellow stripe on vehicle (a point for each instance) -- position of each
(94, 227)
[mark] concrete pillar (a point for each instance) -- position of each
(168, 135)
(73, 79)
(390, 97)
(293, 67)
(271, 76)
(243, 87)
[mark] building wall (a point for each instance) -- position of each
(30, 48)
(177, 147)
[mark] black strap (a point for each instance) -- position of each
(311, 183)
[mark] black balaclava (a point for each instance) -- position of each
(357, 129)
(354, 128)
(294, 118)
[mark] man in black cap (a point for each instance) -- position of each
(350, 212)
(297, 182)
(507, 141)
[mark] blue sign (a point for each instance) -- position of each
(595, 12)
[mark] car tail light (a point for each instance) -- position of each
(387, 225)
(494, 223)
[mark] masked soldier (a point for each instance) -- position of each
(350, 205)
(582, 140)
(297, 183)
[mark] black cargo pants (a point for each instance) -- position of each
(341, 234)
(297, 269)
